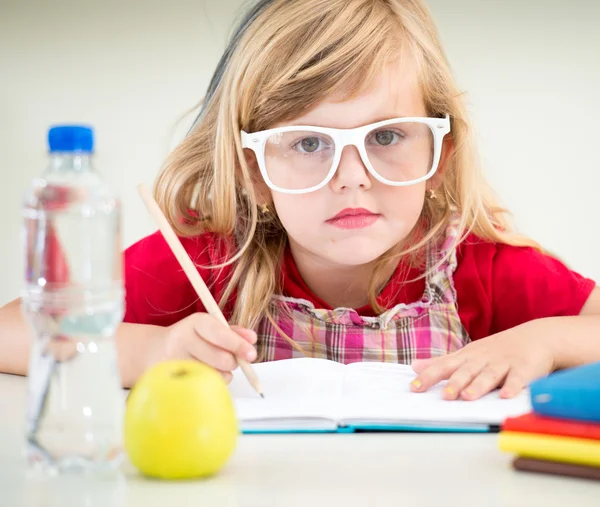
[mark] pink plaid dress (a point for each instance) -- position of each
(423, 329)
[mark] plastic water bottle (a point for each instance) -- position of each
(73, 300)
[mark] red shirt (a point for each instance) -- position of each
(498, 286)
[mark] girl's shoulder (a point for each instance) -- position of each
(484, 254)
(157, 290)
(506, 285)
(204, 246)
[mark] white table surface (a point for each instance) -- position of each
(407, 470)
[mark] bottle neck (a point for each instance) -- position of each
(70, 162)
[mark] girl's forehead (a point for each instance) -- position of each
(395, 93)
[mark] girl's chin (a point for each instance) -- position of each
(355, 255)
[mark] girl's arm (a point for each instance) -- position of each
(137, 345)
(199, 336)
(515, 357)
(577, 339)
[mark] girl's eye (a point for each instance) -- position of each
(386, 137)
(310, 145)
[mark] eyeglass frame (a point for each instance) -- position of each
(256, 141)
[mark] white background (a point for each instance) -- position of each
(134, 68)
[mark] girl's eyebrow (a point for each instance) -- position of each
(375, 119)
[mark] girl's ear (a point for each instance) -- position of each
(446, 155)
(251, 161)
(263, 195)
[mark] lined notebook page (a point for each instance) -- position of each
(301, 389)
(380, 392)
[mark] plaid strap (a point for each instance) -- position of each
(426, 328)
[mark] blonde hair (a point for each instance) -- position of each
(285, 57)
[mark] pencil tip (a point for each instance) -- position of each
(261, 395)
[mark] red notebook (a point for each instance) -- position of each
(533, 423)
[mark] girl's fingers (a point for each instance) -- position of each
(438, 370)
(462, 377)
(247, 334)
(418, 365)
(212, 355)
(488, 379)
(227, 376)
(212, 331)
(513, 385)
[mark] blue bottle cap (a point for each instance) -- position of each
(71, 138)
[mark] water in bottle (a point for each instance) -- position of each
(73, 300)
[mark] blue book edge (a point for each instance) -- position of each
(572, 394)
(383, 429)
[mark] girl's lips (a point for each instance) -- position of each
(356, 221)
(351, 212)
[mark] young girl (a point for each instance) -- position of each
(330, 196)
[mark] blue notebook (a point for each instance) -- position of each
(317, 395)
(569, 394)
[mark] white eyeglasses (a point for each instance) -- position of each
(302, 159)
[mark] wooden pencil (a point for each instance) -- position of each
(193, 276)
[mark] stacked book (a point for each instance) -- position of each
(562, 433)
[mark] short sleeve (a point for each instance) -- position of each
(157, 290)
(528, 284)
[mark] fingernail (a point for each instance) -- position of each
(417, 384)
(251, 355)
(450, 391)
(470, 393)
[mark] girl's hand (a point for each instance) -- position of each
(201, 336)
(510, 360)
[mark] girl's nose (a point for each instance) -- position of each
(351, 172)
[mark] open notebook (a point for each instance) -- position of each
(314, 395)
